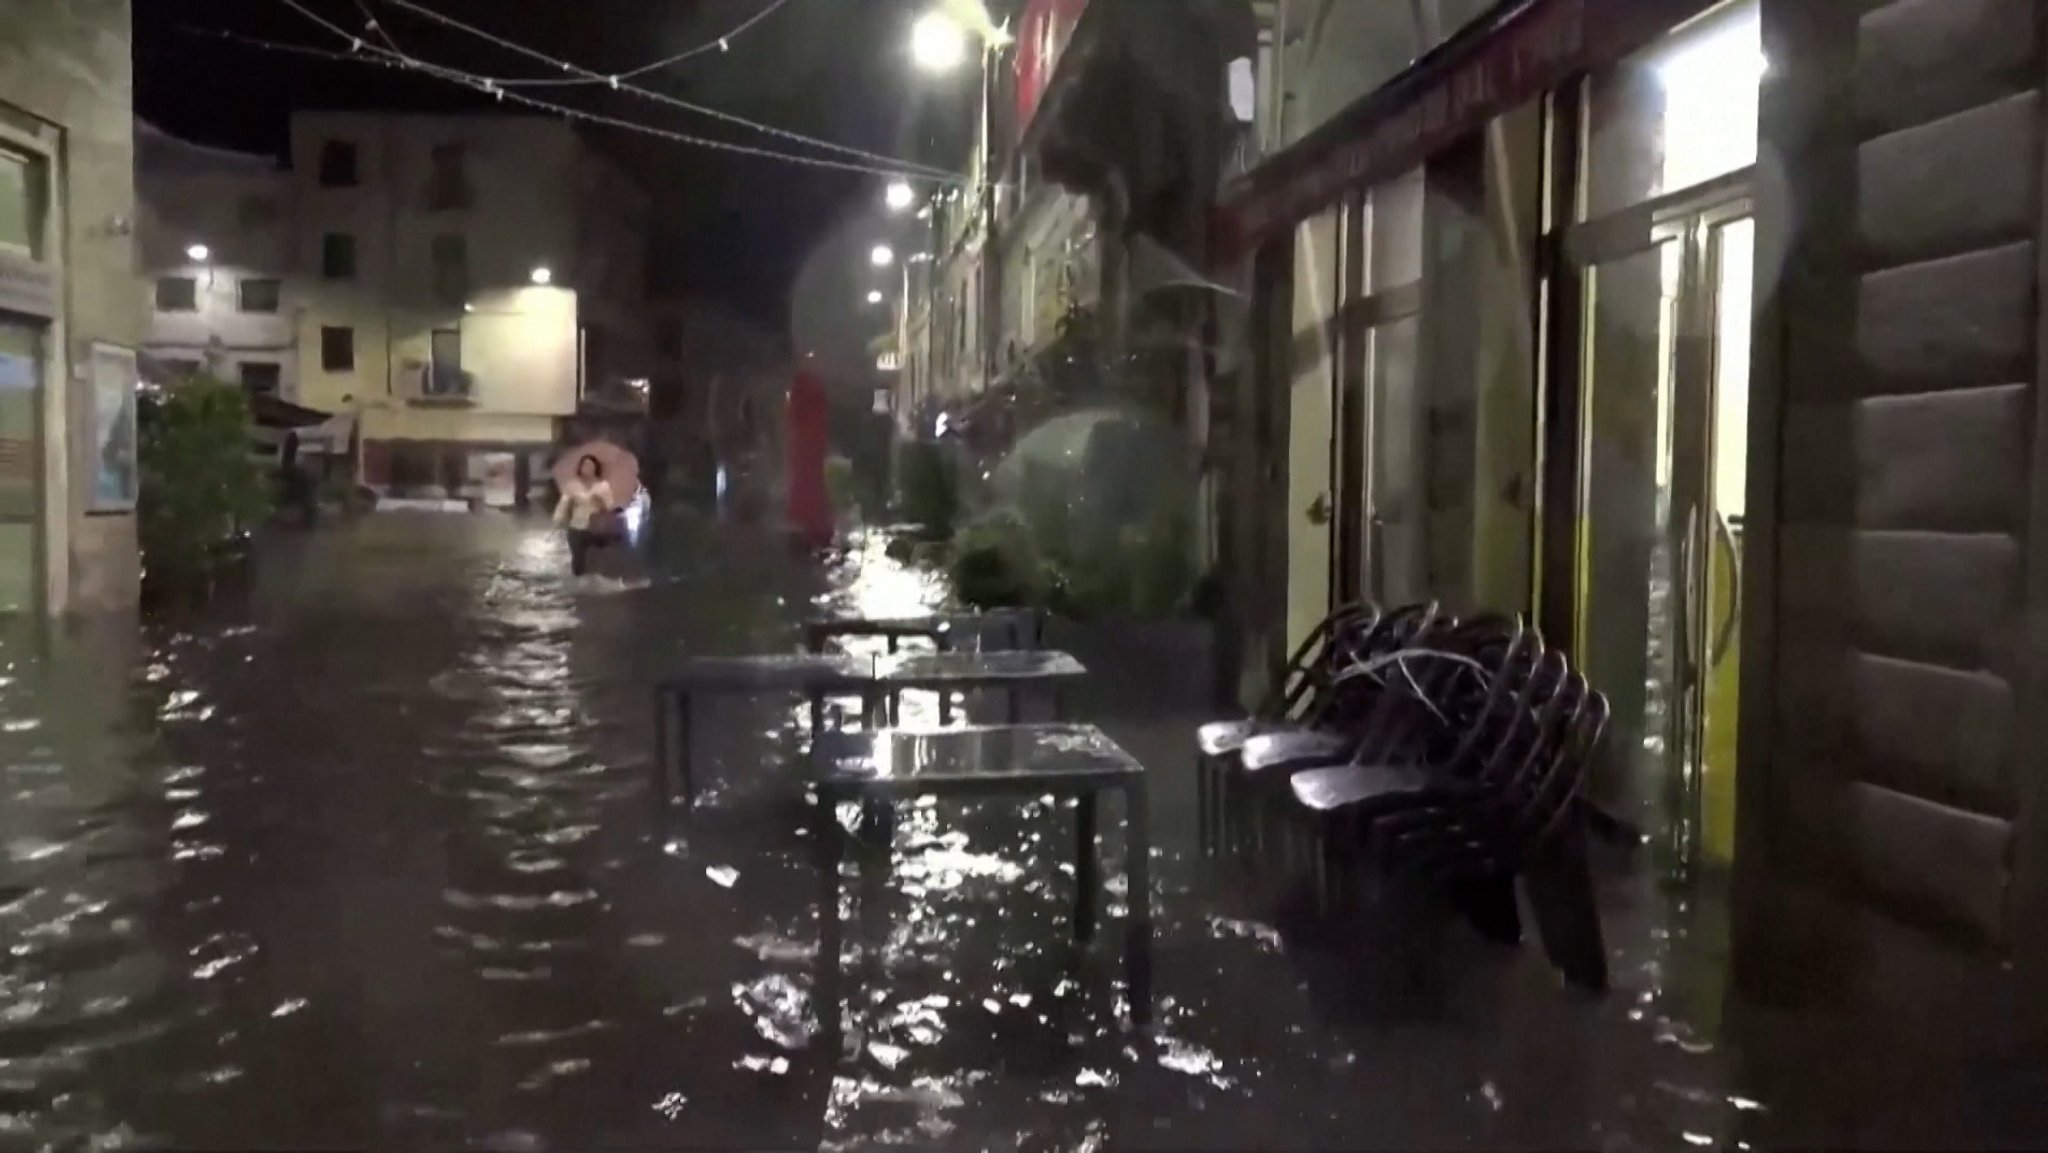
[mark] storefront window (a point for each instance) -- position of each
(1311, 430)
(21, 204)
(1396, 233)
(21, 476)
(1676, 115)
(1395, 528)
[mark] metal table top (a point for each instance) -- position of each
(984, 757)
(958, 669)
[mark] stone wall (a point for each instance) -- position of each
(1892, 771)
(66, 63)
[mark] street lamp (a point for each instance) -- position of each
(937, 42)
(882, 257)
(198, 253)
(899, 196)
(875, 296)
(542, 274)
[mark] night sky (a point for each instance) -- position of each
(735, 228)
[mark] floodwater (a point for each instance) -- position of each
(371, 861)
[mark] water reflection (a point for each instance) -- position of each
(373, 863)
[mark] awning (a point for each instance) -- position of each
(1515, 54)
(275, 412)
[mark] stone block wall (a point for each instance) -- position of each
(1891, 771)
(65, 68)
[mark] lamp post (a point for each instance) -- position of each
(938, 44)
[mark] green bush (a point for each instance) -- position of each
(994, 565)
(840, 484)
(200, 485)
(928, 494)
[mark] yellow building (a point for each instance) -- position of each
(464, 282)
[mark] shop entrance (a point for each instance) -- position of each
(1662, 265)
(23, 353)
(1382, 537)
(1310, 442)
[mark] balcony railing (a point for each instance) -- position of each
(445, 385)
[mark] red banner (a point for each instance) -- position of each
(808, 442)
(1042, 36)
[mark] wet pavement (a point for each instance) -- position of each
(372, 861)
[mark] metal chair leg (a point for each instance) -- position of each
(1087, 867)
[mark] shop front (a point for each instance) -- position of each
(1534, 228)
(1640, 317)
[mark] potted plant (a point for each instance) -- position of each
(200, 489)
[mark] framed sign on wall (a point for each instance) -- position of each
(114, 471)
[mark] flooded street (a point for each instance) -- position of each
(373, 861)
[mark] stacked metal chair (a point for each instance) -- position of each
(1291, 705)
(1430, 752)
(1253, 782)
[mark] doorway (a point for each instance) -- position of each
(23, 353)
(1661, 262)
(1310, 422)
(1662, 459)
(1382, 507)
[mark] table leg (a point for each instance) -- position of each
(1087, 866)
(830, 848)
(817, 714)
(664, 753)
(1138, 883)
(945, 706)
(892, 644)
(878, 821)
(685, 706)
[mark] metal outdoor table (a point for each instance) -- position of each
(811, 675)
(947, 672)
(880, 768)
(1019, 628)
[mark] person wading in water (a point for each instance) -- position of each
(586, 511)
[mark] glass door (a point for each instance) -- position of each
(1381, 509)
(1662, 450)
(1730, 256)
(21, 463)
(1311, 424)
(1625, 643)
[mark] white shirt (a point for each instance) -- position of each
(581, 502)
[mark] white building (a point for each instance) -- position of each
(465, 279)
(451, 287)
(215, 240)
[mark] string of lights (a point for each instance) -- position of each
(620, 83)
(370, 24)
(488, 87)
(721, 44)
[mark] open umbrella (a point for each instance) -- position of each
(621, 468)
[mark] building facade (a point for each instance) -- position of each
(1668, 323)
(465, 281)
(1068, 268)
(71, 311)
(215, 235)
